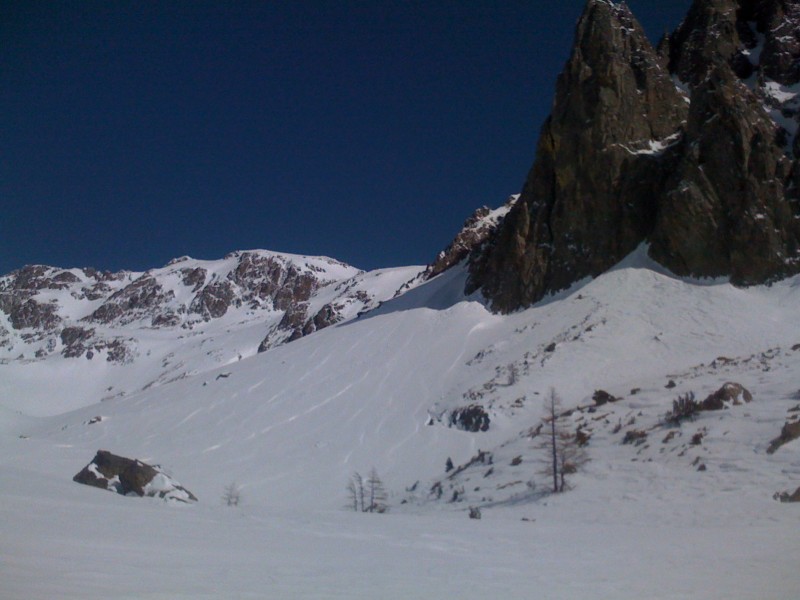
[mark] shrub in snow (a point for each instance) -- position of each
(470, 418)
(635, 437)
(686, 407)
(683, 407)
(367, 495)
(232, 495)
(474, 512)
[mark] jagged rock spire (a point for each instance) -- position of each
(588, 200)
(689, 149)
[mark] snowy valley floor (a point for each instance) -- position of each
(63, 541)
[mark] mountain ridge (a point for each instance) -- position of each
(133, 322)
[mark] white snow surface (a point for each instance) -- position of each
(291, 425)
(652, 147)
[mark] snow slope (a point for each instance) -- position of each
(292, 424)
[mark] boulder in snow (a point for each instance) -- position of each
(131, 477)
(729, 393)
(601, 397)
(787, 497)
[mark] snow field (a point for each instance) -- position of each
(291, 425)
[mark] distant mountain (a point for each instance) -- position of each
(690, 148)
(160, 320)
(189, 316)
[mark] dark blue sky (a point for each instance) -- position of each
(135, 132)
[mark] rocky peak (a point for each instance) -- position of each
(614, 71)
(758, 39)
(689, 149)
(616, 111)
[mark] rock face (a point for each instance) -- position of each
(131, 478)
(690, 149)
(477, 229)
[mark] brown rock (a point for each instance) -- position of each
(213, 300)
(723, 210)
(128, 477)
(75, 341)
(31, 313)
(589, 198)
(730, 393)
(789, 433)
(141, 298)
(194, 278)
(787, 497)
(709, 179)
(477, 229)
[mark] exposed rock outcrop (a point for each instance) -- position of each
(213, 300)
(131, 478)
(589, 197)
(137, 300)
(730, 394)
(689, 149)
(789, 433)
(75, 341)
(752, 36)
(477, 229)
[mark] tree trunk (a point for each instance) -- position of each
(555, 446)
